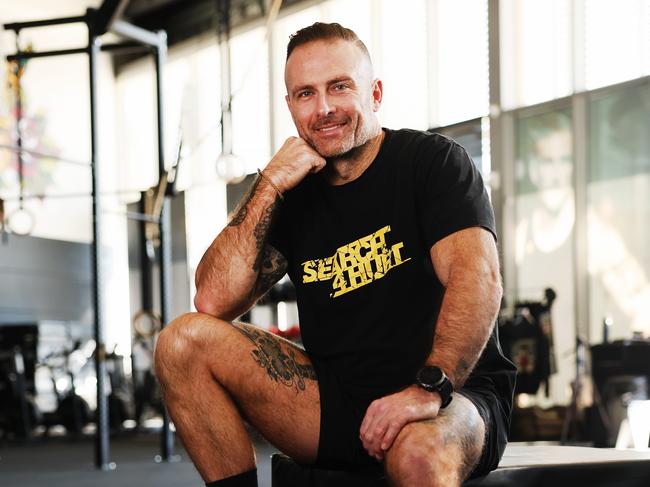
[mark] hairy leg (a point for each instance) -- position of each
(216, 374)
(438, 452)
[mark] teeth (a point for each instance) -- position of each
(327, 129)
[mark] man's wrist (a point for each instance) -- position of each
(434, 380)
(268, 178)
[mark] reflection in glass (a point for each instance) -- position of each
(619, 211)
(536, 56)
(545, 216)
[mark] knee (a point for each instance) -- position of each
(421, 457)
(180, 344)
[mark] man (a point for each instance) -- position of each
(388, 237)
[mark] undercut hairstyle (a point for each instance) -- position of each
(320, 31)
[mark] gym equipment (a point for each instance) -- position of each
(72, 411)
(527, 340)
(119, 400)
(621, 374)
(18, 411)
(98, 22)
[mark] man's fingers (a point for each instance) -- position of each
(372, 418)
(374, 427)
(391, 434)
(364, 424)
(318, 167)
(375, 435)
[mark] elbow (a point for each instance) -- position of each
(209, 304)
(204, 304)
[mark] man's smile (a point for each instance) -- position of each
(330, 128)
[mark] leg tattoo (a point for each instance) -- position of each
(280, 366)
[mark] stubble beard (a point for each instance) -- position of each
(347, 149)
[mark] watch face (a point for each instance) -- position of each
(430, 376)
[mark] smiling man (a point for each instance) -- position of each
(388, 236)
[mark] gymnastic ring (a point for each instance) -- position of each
(10, 221)
(141, 329)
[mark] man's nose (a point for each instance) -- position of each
(325, 107)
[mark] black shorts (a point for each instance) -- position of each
(340, 447)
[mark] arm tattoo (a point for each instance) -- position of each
(273, 267)
(242, 210)
(261, 231)
(281, 366)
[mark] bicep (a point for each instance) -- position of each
(471, 249)
(273, 267)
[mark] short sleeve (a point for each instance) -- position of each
(450, 192)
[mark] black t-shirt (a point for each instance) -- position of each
(359, 257)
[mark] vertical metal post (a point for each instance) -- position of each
(580, 239)
(580, 102)
(165, 260)
(102, 440)
(226, 81)
(146, 259)
(500, 160)
(270, 49)
(433, 59)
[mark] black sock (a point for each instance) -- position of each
(246, 479)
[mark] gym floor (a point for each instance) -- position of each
(62, 462)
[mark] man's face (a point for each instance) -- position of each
(332, 96)
(551, 168)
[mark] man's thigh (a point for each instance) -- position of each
(272, 382)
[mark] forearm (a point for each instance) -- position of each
(228, 273)
(469, 308)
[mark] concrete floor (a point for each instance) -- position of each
(62, 462)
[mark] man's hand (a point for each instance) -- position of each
(386, 417)
(295, 159)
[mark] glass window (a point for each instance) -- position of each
(194, 101)
(616, 40)
(136, 131)
(250, 104)
(460, 40)
(536, 50)
(353, 15)
(401, 63)
(545, 216)
(52, 125)
(619, 211)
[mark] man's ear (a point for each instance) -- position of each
(377, 94)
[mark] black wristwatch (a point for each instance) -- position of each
(433, 379)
